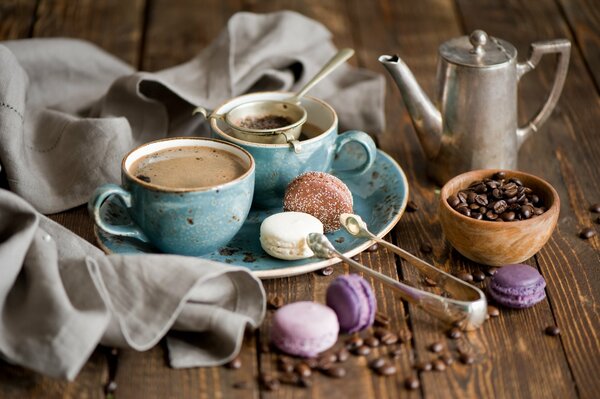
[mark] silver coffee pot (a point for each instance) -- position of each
(476, 125)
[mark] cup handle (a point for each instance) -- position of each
(101, 194)
(365, 141)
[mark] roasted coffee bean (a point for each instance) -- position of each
(371, 341)
(285, 364)
(499, 176)
(426, 247)
(377, 362)
(508, 216)
(516, 181)
(493, 311)
(327, 357)
(269, 382)
(389, 339)
(490, 271)
(492, 184)
(468, 277)
(447, 359)
(595, 208)
(478, 276)
(480, 188)
(476, 215)
(275, 302)
(386, 369)
(587, 233)
(429, 282)
(465, 211)
(490, 215)
(235, 364)
(454, 333)
(467, 358)
(334, 372)
(462, 197)
(288, 378)
(522, 199)
(439, 365)
(481, 199)
(412, 383)
(343, 355)
(303, 369)
(412, 206)
(534, 199)
(373, 248)
(496, 193)
(471, 196)
(381, 320)
(304, 382)
(110, 388)
(423, 366)
(312, 362)
(396, 352)
(539, 211)
(500, 206)
(436, 347)
(354, 342)
(405, 336)
(328, 271)
(356, 258)
(527, 211)
(453, 200)
(362, 350)
(552, 331)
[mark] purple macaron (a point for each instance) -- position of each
(517, 286)
(352, 299)
(304, 328)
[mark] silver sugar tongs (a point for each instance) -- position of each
(468, 313)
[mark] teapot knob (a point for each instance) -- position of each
(478, 39)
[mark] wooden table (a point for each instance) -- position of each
(519, 360)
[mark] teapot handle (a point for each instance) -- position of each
(536, 51)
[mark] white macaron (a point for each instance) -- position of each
(283, 235)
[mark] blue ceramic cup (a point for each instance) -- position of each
(278, 164)
(184, 221)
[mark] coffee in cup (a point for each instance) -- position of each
(186, 196)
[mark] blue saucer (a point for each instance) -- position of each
(380, 196)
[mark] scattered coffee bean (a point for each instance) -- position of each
(493, 311)
(412, 383)
(362, 350)
(285, 364)
(423, 366)
(275, 302)
(269, 382)
(334, 371)
(381, 320)
(110, 388)
(426, 247)
(405, 336)
(288, 378)
(343, 355)
(447, 359)
(468, 277)
(304, 382)
(241, 385)
(587, 233)
(377, 363)
(436, 347)
(439, 365)
(386, 369)
(371, 341)
(312, 362)
(412, 206)
(429, 282)
(497, 199)
(389, 338)
(327, 357)
(235, 364)
(454, 333)
(595, 208)
(467, 358)
(373, 248)
(552, 331)
(356, 258)
(478, 276)
(303, 369)
(354, 342)
(328, 271)
(490, 271)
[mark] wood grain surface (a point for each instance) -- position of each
(514, 358)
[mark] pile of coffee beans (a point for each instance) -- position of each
(497, 198)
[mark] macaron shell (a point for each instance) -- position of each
(353, 301)
(304, 328)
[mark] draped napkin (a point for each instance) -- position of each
(68, 114)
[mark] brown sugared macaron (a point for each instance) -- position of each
(319, 194)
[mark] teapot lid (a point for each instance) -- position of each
(478, 50)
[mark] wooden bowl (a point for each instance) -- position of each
(498, 243)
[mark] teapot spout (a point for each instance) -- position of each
(426, 119)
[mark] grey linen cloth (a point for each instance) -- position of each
(68, 114)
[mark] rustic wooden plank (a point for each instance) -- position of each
(583, 17)
(114, 25)
(564, 152)
(78, 221)
(16, 18)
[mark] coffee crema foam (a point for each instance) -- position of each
(189, 167)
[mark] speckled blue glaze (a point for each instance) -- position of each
(277, 164)
(191, 222)
(380, 197)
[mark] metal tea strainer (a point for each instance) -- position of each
(289, 111)
(467, 308)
